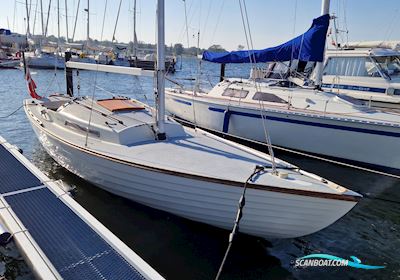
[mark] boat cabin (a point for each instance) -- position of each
(371, 74)
(368, 74)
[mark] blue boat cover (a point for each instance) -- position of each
(306, 47)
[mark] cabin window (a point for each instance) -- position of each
(351, 66)
(269, 97)
(390, 65)
(277, 70)
(237, 93)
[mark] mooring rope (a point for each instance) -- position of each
(239, 214)
(12, 113)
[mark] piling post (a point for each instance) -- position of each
(222, 73)
(68, 75)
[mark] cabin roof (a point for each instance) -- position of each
(362, 52)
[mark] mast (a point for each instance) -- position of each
(34, 18)
(66, 19)
(319, 66)
(47, 21)
(76, 19)
(160, 96)
(58, 23)
(134, 30)
(87, 28)
(116, 21)
(27, 19)
(41, 16)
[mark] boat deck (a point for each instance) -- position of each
(58, 238)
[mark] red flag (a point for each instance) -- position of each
(31, 85)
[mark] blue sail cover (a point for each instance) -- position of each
(306, 47)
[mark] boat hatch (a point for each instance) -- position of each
(53, 105)
(269, 97)
(237, 93)
(116, 105)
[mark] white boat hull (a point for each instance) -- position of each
(267, 214)
(366, 143)
(45, 62)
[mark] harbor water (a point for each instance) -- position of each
(182, 249)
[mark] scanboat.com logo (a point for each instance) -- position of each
(329, 260)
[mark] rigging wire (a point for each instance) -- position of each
(258, 168)
(248, 27)
(206, 20)
(340, 163)
(218, 21)
(392, 25)
(190, 14)
(250, 46)
(346, 30)
(15, 11)
(186, 25)
(95, 81)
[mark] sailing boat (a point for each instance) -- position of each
(46, 56)
(297, 116)
(10, 39)
(148, 61)
(117, 145)
(8, 61)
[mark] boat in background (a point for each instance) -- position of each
(44, 60)
(370, 73)
(121, 57)
(148, 62)
(10, 39)
(132, 150)
(293, 115)
(8, 61)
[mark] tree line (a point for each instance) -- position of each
(176, 49)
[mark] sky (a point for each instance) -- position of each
(219, 21)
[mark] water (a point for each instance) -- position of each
(181, 249)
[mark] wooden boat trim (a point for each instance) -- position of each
(207, 179)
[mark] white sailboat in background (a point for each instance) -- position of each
(119, 145)
(296, 116)
(46, 55)
(40, 59)
(8, 61)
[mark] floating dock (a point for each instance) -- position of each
(58, 238)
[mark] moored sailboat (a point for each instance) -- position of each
(297, 116)
(118, 145)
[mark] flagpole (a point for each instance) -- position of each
(24, 62)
